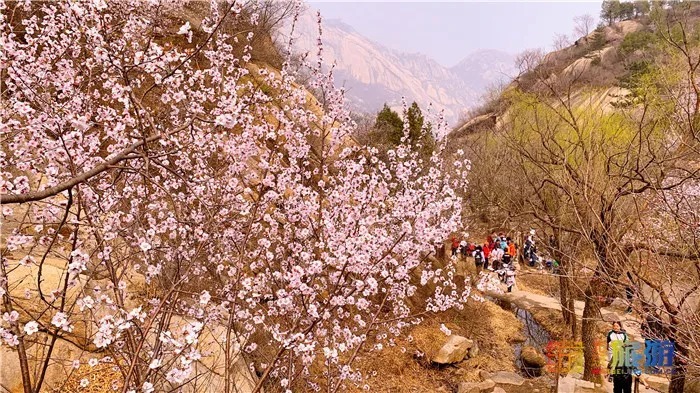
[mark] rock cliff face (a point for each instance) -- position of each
(374, 74)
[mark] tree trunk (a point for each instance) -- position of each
(570, 302)
(591, 357)
(566, 296)
(574, 322)
(591, 310)
(677, 384)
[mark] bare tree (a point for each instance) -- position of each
(580, 174)
(528, 60)
(561, 41)
(583, 25)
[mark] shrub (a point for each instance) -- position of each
(638, 40)
(598, 40)
(635, 74)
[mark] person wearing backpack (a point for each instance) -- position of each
(616, 334)
(533, 256)
(618, 373)
(455, 246)
(478, 254)
(507, 258)
(510, 277)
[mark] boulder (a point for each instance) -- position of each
(468, 387)
(532, 358)
(629, 26)
(474, 350)
(608, 55)
(486, 385)
(578, 67)
(454, 350)
(498, 389)
(476, 387)
(508, 378)
(484, 375)
(566, 385)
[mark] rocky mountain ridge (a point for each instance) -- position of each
(374, 74)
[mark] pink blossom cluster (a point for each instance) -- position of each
(188, 189)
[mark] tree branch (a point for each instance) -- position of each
(85, 176)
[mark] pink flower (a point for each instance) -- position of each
(445, 330)
(31, 327)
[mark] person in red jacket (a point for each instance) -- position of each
(455, 245)
(512, 250)
(487, 251)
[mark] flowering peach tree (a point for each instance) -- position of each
(191, 217)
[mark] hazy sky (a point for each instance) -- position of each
(448, 31)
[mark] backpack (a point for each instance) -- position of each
(610, 333)
(526, 249)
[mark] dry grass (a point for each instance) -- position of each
(102, 378)
(539, 282)
(400, 369)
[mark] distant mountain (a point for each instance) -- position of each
(374, 74)
(482, 69)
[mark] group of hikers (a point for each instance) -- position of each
(500, 254)
(497, 254)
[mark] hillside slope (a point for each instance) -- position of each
(597, 67)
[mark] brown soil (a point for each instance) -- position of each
(402, 368)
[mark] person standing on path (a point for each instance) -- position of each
(487, 255)
(622, 382)
(617, 370)
(512, 250)
(510, 278)
(479, 258)
(455, 245)
(616, 334)
(496, 256)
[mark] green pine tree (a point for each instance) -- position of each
(390, 124)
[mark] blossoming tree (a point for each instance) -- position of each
(190, 217)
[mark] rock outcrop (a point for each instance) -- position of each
(454, 350)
